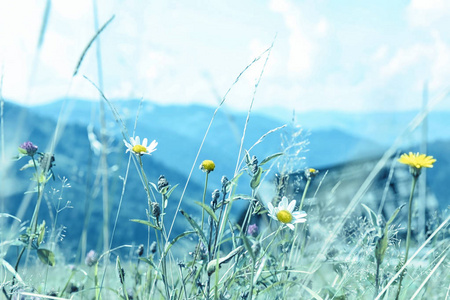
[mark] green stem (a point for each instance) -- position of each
(408, 234)
(252, 278)
(147, 188)
(377, 279)
(34, 218)
(304, 193)
(67, 284)
(204, 196)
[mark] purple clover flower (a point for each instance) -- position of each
(91, 258)
(28, 148)
(252, 230)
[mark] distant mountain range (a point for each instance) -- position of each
(327, 139)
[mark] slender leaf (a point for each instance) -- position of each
(243, 197)
(153, 185)
(268, 158)
(171, 190)
(175, 240)
(12, 271)
(146, 223)
(256, 178)
(195, 226)
(394, 215)
(248, 246)
(208, 210)
(148, 261)
(372, 215)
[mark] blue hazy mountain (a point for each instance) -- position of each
(179, 131)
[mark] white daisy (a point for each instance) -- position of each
(137, 148)
(285, 213)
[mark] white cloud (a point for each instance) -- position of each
(301, 47)
(322, 27)
(427, 12)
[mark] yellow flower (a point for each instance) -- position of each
(311, 173)
(207, 166)
(417, 160)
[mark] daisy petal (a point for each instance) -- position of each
(291, 206)
(299, 214)
(283, 203)
(144, 142)
(301, 220)
(290, 226)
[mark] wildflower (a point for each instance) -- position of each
(140, 149)
(91, 258)
(207, 166)
(285, 214)
(252, 230)
(416, 162)
(28, 148)
(311, 173)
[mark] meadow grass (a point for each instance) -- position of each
(281, 249)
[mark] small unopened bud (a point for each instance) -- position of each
(256, 247)
(153, 248)
(225, 182)
(156, 210)
(215, 197)
(254, 165)
(163, 184)
(140, 250)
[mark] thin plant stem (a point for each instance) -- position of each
(304, 193)
(408, 233)
(34, 218)
(204, 196)
(377, 279)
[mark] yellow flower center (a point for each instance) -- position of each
(139, 149)
(284, 216)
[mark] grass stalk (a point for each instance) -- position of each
(408, 234)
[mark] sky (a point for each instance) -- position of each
(326, 55)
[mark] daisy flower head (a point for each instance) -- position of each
(137, 148)
(285, 213)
